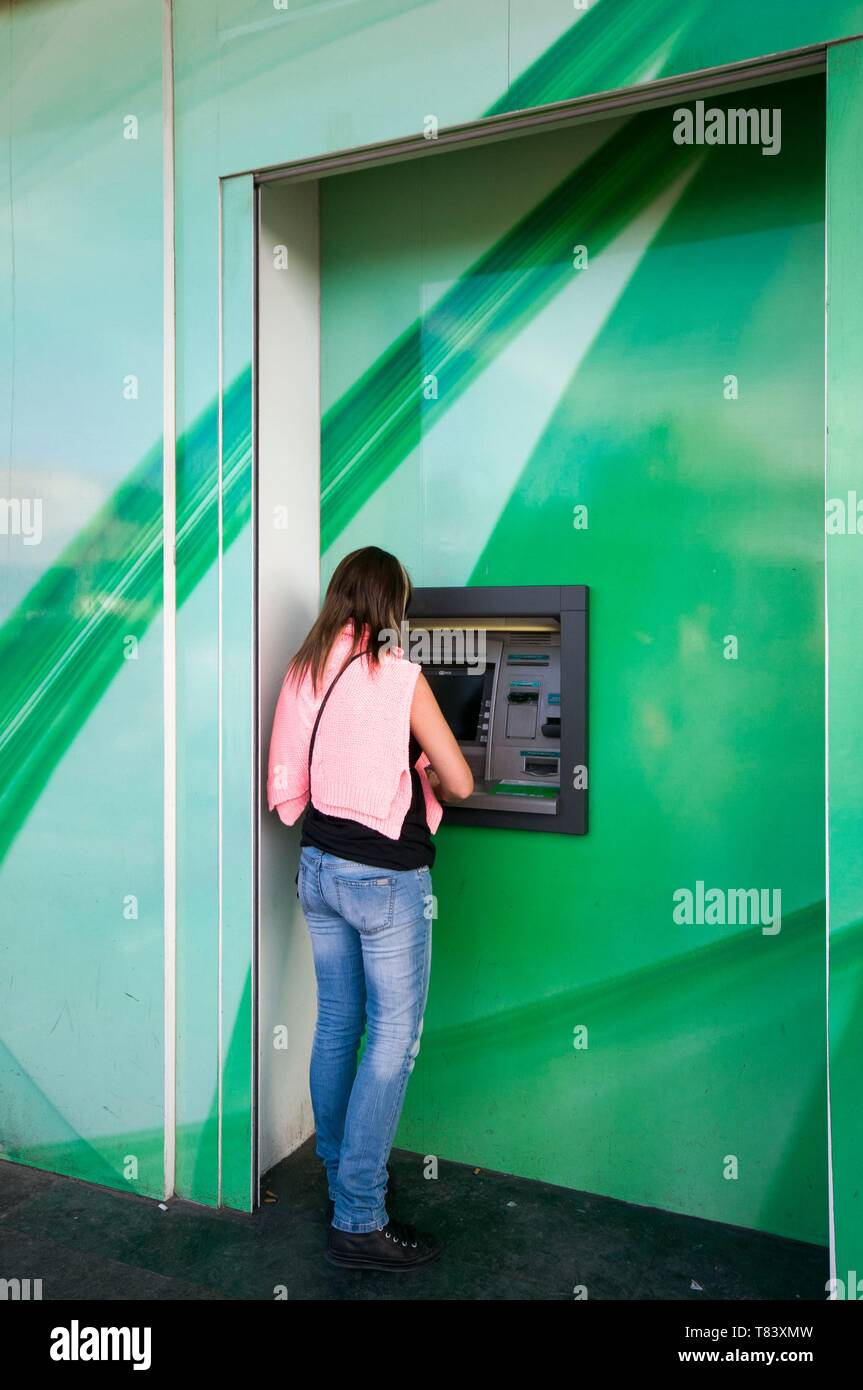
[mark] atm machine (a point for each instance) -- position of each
(509, 669)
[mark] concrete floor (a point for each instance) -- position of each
(505, 1238)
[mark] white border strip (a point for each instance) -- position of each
(257, 752)
(219, 669)
(831, 1218)
(169, 603)
(169, 592)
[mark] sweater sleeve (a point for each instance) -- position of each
(287, 770)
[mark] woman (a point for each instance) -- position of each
(360, 743)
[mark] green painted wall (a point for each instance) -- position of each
(81, 945)
(605, 386)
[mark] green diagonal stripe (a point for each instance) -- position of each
(65, 642)
(376, 424)
(615, 41)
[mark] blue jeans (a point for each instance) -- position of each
(371, 941)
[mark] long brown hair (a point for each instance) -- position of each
(369, 587)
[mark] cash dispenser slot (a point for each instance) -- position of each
(541, 762)
(541, 767)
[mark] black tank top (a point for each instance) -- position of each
(349, 839)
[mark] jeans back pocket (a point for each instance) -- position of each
(367, 903)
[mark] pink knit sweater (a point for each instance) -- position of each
(360, 767)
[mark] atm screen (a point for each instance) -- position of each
(459, 694)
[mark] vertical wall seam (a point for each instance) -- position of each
(169, 607)
(831, 1219)
(219, 661)
(13, 278)
(257, 752)
(319, 303)
(421, 188)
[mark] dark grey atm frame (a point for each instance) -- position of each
(568, 603)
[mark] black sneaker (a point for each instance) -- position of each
(395, 1246)
(331, 1206)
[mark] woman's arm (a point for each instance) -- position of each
(453, 779)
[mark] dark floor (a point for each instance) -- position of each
(505, 1238)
